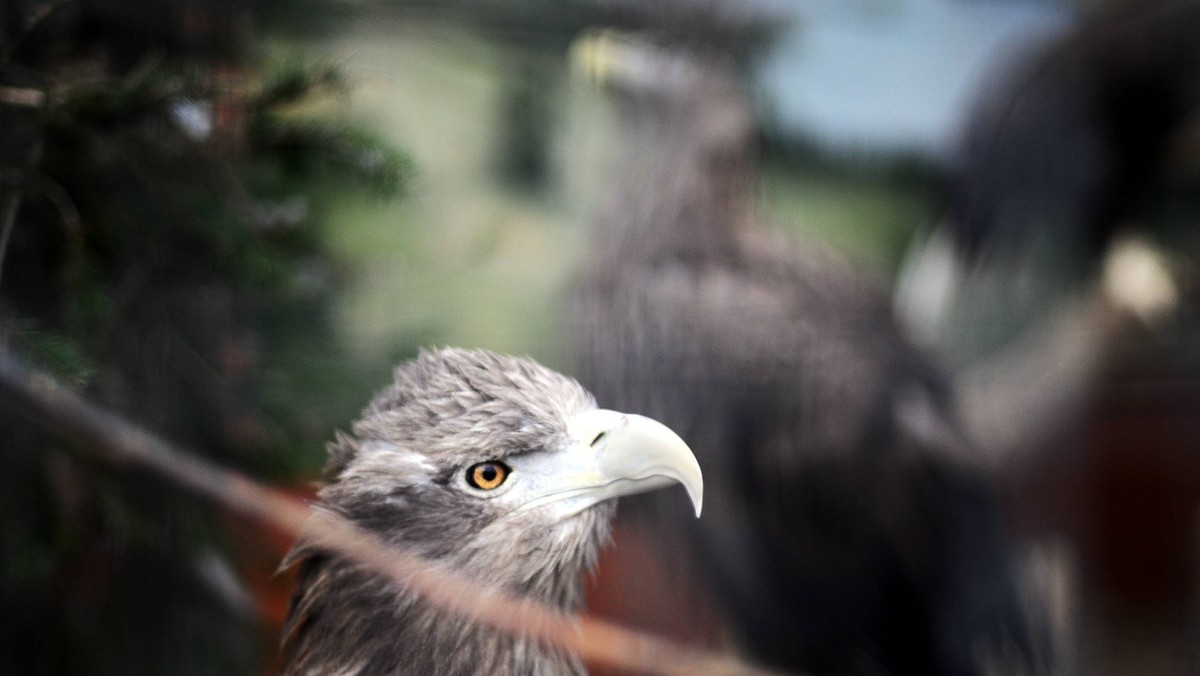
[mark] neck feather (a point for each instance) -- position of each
(346, 621)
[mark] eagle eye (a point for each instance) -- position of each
(487, 476)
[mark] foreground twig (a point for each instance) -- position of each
(119, 442)
(35, 19)
(8, 221)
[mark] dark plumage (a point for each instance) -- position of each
(1071, 143)
(405, 474)
(1041, 274)
(846, 531)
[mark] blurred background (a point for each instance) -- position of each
(229, 220)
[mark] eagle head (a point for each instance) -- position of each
(494, 466)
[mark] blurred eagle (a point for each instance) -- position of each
(847, 528)
(495, 467)
(1068, 148)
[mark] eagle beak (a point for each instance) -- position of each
(635, 454)
(613, 454)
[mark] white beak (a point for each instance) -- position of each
(610, 454)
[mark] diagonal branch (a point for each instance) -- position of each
(8, 220)
(31, 24)
(123, 444)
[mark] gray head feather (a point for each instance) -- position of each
(400, 475)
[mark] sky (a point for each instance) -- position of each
(894, 77)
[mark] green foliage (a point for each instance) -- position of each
(281, 128)
(57, 353)
(161, 250)
(293, 82)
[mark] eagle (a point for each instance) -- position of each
(848, 528)
(1073, 145)
(494, 467)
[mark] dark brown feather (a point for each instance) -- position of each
(846, 530)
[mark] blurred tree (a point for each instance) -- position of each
(160, 248)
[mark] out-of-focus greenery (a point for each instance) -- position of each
(163, 186)
(472, 256)
(479, 256)
(871, 217)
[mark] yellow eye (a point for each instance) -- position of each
(487, 475)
